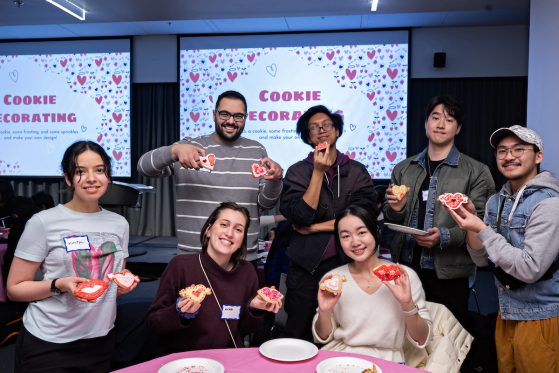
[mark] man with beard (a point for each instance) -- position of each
(198, 191)
(518, 239)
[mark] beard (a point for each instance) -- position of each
(226, 136)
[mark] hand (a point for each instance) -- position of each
(322, 161)
(430, 240)
(304, 230)
(187, 155)
(467, 220)
(401, 289)
(393, 202)
(121, 291)
(188, 305)
(260, 304)
(327, 300)
(275, 172)
(69, 284)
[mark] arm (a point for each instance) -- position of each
(158, 162)
(540, 249)
(292, 205)
(394, 211)
(324, 323)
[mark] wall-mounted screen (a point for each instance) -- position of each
(362, 75)
(57, 92)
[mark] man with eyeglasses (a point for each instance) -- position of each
(316, 189)
(198, 191)
(519, 240)
(440, 257)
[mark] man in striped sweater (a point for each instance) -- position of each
(199, 191)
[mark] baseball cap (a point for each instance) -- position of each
(523, 133)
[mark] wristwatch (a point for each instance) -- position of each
(53, 289)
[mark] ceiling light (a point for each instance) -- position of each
(374, 4)
(69, 8)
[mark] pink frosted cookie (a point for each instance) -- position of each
(270, 295)
(333, 284)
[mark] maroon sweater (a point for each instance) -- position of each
(207, 330)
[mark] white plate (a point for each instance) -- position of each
(288, 349)
(192, 365)
(344, 364)
(404, 229)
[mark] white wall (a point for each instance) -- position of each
(470, 51)
(543, 80)
(155, 59)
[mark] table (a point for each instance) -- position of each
(249, 360)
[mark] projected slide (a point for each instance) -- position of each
(48, 101)
(367, 84)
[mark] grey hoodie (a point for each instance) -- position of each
(538, 238)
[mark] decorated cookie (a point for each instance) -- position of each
(322, 146)
(400, 191)
(387, 272)
(195, 292)
(208, 161)
(453, 201)
(258, 170)
(124, 279)
(270, 295)
(333, 284)
(91, 290)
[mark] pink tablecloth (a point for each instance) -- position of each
(249, 360)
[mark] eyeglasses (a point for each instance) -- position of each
(516, 152)
(315, 128)
(225, 115)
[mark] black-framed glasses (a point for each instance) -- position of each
(237, 117)
(515, 151)
(315, 128)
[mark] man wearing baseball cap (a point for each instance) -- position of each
(519, 240)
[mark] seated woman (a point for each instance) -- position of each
(232, 310)
(369, 316)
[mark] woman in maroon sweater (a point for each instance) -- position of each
(233, 309)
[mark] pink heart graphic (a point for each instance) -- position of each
(63, 62)
(391, 156)
(117, 155)
(370, 96)
(117, 79)
(211, 99)
(330, 55)
(333, 283)
(371, 54)
(231, 76)
(371, 137)
(99, 61)
(392, 73)
(117, 117)
(100, 137)
(194, 116)
(350, 155)
(194, 77)
(251, 57)
(99, 99)
(391, 114)
(212, 58)
(81, 79)
(350, 73)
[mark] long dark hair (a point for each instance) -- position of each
(70, 159)
(365, 216)
(242, 251)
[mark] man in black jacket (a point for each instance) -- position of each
(315, 190)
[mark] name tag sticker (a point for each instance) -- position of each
(231, 312)
(75, 243)
(424, 195)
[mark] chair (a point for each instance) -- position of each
(449, 345)
(281, 316)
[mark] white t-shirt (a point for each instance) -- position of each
(46, 239)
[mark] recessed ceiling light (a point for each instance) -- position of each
(374, 4)
(70, 8)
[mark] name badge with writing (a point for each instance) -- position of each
(75, 243)
(424, 195)
(231, 312)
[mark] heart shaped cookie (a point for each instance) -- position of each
(124, 279)
(270, 294)
(400, 191)
(195, 292)
(258, 170)
(333, 283)
(208, 161)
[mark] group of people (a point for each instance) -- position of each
(330, 204)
